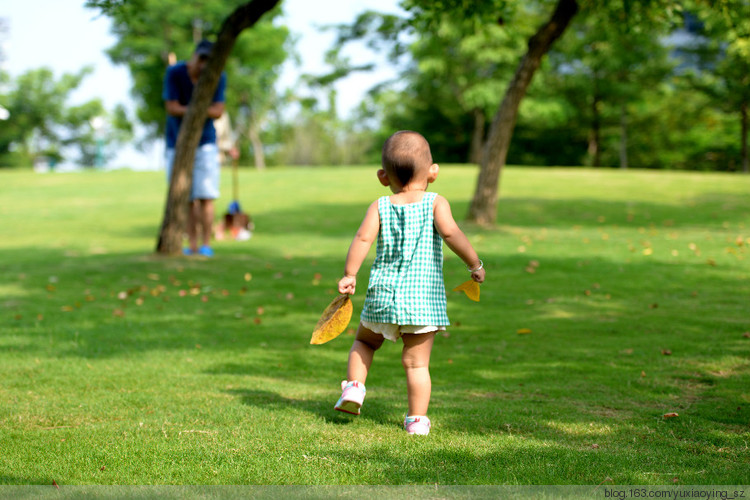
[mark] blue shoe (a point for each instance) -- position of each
(187, 251)
(206, 251)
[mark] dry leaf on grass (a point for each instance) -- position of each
(470, 288)
(334, 320)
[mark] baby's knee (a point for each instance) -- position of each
(411, 361)
(371, 343)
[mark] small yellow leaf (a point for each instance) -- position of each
(470, 288)
(523, 331)
(334, 320)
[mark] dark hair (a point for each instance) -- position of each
(204, 48)
(403, 153)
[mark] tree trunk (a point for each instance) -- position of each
(743, 113)
(623, 138)
(254, 135)
(594, 150)
(175, 210)
(477, 136)
(484, 204)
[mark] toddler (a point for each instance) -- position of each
(406, 295)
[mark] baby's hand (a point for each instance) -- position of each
(478, 275)
(348, 284)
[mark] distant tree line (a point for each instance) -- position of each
(666, 89)
(651, 84)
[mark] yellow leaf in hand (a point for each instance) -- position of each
(470, 288)
(334, 320)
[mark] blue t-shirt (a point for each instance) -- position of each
(179, 87)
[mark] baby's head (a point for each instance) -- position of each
(406, 160)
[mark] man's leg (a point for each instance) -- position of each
(207, 209)
(192, 225)
(206, 190)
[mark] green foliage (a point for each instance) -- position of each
(455, 74)
(603, 68)
(612, 92)
(722, 68)
(471, 13)
(319, 137)
(41, 122)
(122, 368)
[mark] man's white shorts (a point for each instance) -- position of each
(205, 171)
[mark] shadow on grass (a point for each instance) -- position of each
(322, 408)
(333, 220)
(121, 304)
(706, 211)
(24, 481)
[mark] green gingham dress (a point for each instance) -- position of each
(406, 280)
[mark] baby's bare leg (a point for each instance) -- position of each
(361, 354)
(416, 360)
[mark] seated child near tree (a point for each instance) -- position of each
(406, 294)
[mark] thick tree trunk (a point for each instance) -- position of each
(743, 112)
(484, 204)
(175, 210)
(623, 138)
(477, 137)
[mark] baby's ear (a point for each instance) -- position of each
(433, 172)
(383, 178)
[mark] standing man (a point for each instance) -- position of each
(178, 88)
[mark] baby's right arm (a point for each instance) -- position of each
(366, 235)
(456, 239)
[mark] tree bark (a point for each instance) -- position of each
(623, 138)
(254, 136)
(594, 150)
(175, 210)
(477, 136)
(743, 114)
(483, 207)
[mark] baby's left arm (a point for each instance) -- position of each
(456, 239)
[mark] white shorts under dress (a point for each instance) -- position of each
(394, 332)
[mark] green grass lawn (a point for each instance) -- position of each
(122, 367)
